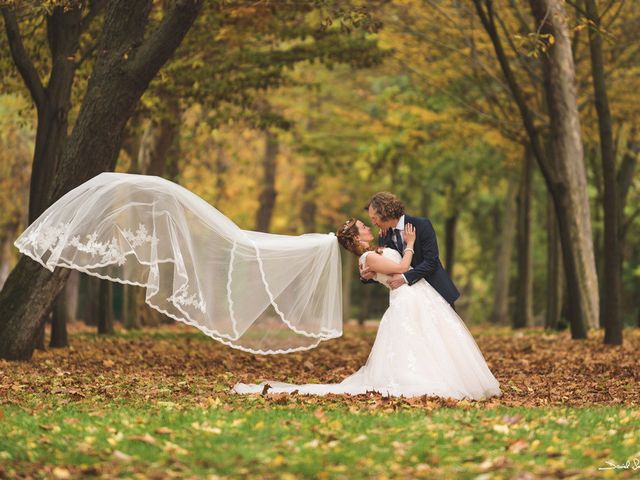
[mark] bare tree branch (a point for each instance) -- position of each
(164, 40)
(624, 228)
(485, 10)
(577, 7)
(94, 9)
(616, 13)
(86, 54)
(533, 76)
(21, 58)
(627, 168)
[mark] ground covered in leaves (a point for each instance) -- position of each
(157, 403)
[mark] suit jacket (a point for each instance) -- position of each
(426, 260)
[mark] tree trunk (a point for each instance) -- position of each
(130, 310)
(425, 202)
(572, 203)
(554, 270)
(524, 295)
(172, 168)
(127, 62)
(268, 195)
(131, 144)
(598, 235)
(612, 260)
(172, 164)
(309, 207)
(59, 320)
(565, 176)
(158, 138)
(221, 166)
(626, 172)
(5, 256)
(39, 343)
(72, 291)
(25, 300)
(145, 315)
(638, 311)
(450, 226)
(625, 176)
(637, 295)
(92, 307)
(500, 314)
(105, 312)
(64, 311)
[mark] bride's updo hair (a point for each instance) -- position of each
(347, 237)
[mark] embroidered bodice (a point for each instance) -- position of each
(389, 253)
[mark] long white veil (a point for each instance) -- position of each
(258, 292)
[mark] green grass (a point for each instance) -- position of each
(307, 439)
(156, 404)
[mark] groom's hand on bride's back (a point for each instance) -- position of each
(396, 280)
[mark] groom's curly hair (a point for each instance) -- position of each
(387, 205)
(347, 234)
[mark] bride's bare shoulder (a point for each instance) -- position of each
(370, 253)
(366, 254)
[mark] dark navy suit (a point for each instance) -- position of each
(426, 260)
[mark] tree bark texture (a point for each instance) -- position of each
(268, 195)
(59, 320)
(500, 313)
(612, 283)
(450, 227)
(105, 310)
(554, 270)
(524, 294)
(309, 208)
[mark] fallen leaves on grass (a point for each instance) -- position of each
(173, 366)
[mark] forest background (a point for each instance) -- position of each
(287, 116)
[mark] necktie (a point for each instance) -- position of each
(399, 242)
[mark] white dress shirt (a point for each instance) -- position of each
(400, 226)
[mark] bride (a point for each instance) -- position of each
(422, 346)
(257, 292)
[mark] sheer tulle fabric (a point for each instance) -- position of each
(422, 348)
(257, 292)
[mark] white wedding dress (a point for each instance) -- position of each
(422, 348)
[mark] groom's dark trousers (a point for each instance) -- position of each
(426, 259)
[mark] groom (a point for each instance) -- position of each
(387, 213)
